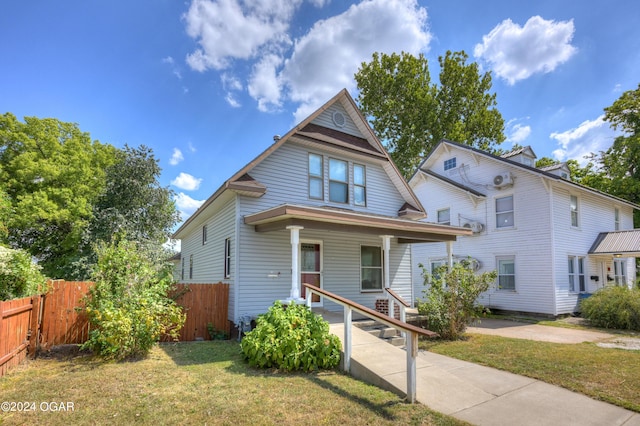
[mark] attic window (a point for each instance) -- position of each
(339, 119)
(450, 163)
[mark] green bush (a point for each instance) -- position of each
(128, 307)
(19, 276)
(613, 307)
(450, 302)
(291, 337)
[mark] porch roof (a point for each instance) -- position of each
(625, 243)
(342, 220)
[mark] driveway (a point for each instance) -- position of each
(544, 333)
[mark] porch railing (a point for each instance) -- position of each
(412, 332)
(403, 304)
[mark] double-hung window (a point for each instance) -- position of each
(227, 257)
(574, 211)
(616, 219)
(316, 177)
(190, 266)
(359, 185)
(204, 234)
(506, 273)
(182, 271)
(504, 212)
(371, 268)
(576, 274)
(620, 271)
(444, 217)
(338, 181)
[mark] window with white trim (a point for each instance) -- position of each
(616, 219)
(444, 216)
(359, 185)
(190, 266)
(370, 268)
(450, 163)
(504, 212)
(204, 234)
(338, 181)
(316, 177)
(573, 201)
(577, 282)
(182, 271)
(506, 273)
(227, 257)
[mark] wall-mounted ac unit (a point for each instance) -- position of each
(502, 180)
(475, 226)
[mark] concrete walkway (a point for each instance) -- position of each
(479, 395)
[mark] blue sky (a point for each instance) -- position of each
(207, 83)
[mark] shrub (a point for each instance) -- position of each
(613, 307)
(450, 302)
(19, 276)
(291, 337)
(128, 308)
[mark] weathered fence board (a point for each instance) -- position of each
(203, 304)
(15, 318)
(62, 321)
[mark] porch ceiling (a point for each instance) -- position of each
(332, 219)
(624, 243)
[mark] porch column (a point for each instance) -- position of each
(295, 269)
(450, 255)
(386, 246)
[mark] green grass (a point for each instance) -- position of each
(611, 375)
(199, 383)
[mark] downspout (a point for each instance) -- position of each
(553, 252)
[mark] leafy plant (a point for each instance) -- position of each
(450, 299)
(291, 337)
(613, 307)
(19, 276)
(128, 307)
(216, 334)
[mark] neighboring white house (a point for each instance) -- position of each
(550, 239)
(324, 205)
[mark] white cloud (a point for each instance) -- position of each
(231, 84)
(174, 68)
(518, 133)
(177, 157)
(590, 136)
(186, 205)
(186, 181)
(325, 59)
(515, 53)
(314, 67)
(231, 29)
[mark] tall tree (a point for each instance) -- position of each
(621, 162)
(133, 204)
(411, 114)
(52, 173)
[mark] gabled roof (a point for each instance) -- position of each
(617, 242)
(447, 144)
(524, 150)
(242, 183)
(458, 185)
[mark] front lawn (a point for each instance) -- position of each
(197, 383)
(611, 375)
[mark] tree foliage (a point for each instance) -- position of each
(19, 276)
(411, 114)
(67, 194)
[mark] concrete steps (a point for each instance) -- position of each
(381, 331)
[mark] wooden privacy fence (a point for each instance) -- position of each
(56, 318)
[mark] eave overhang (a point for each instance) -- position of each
(331, 219)
(618, 244)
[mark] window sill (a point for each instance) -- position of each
(371, 291)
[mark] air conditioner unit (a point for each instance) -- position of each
(502, 180)
(476, 227)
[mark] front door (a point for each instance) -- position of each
(311, 268)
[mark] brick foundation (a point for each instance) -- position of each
(382, 306)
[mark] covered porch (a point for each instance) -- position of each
(615, 256)
(357, 255)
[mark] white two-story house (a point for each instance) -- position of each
(323, 205)
(551, 240)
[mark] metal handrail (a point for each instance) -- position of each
(411, 331)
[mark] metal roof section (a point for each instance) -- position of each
(623, 243)
(458, 185)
